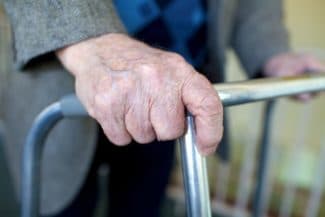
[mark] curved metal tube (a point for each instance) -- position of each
(31, 167)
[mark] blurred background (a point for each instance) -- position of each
(296, 178)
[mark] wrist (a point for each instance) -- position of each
(82, 56)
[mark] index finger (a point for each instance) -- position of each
(202, 101)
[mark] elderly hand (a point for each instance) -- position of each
(290, 64)
(138, 92)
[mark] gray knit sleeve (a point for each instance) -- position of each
(42, 26)
(259, 33)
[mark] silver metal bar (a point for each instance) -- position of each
(236, 93)
(195, 177)
(263, 165)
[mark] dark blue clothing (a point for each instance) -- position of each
(174, 25)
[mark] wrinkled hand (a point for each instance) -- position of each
(290, 64)
(138, 92)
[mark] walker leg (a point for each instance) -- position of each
(195, 177)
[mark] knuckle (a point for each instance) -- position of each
(139, 128)
(147, 68)
(117, 138)
(121, 141)
(170, 133)
(124, 85)
(151, 73)
(211, 104)
(99, 100)
(202, 79)
(101, 104)
(91, 112)
(144, 138)
(174, 57)
(103, 84)
(178, 61)
(143, 134)
(165, 136)
(198, 81)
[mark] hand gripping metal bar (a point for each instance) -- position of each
(193, 164)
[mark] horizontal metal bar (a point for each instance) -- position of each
(235, 93)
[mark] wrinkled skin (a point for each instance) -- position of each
(138, 92)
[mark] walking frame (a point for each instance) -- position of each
(193, 164)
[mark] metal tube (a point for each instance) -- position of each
(236, 93)
(195, 177)
(31, 168)
(263, 165)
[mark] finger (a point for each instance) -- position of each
(109, 113)
(312, 64)
(137, 121)
(167, 116)
(202, 101)
(303, 97)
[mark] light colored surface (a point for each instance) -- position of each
(306, 22)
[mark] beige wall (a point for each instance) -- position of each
(306, 22)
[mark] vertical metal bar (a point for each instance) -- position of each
(195, 177)
(31, 168)
(263, 165)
